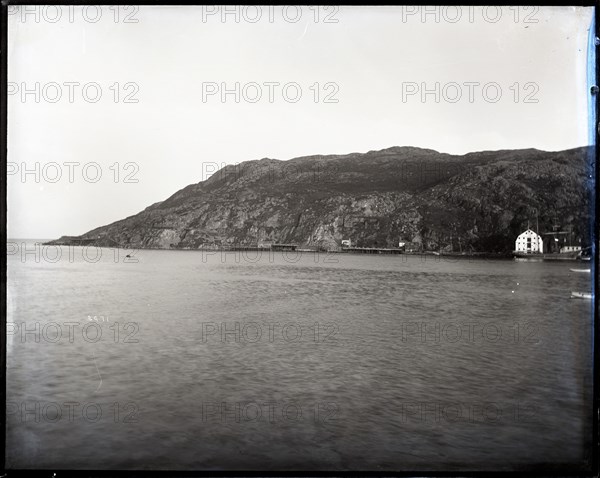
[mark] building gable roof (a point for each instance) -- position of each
(528, 231)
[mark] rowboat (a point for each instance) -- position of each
(580, 270)
(581, 295)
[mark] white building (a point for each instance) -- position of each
(529, 241)
(347, 242)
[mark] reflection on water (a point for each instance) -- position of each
(189, 360)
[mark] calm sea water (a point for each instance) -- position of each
(190, 360)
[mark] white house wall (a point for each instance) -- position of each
(537, 244)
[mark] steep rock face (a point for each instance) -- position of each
(476, 202)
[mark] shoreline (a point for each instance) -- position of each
(369, 251)
(354, 251)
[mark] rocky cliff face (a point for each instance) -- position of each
(476, 202)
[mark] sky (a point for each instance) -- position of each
(112, 109)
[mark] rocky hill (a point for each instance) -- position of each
(476, 202)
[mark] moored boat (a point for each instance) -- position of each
(552, 256)
(581, 295)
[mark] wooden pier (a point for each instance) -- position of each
(283, 247)
(373, 250)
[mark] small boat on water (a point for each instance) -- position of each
(580, 270)
(581, 295)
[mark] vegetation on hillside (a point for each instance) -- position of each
(478, 202)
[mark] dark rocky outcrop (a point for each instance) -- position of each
(476, 202)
